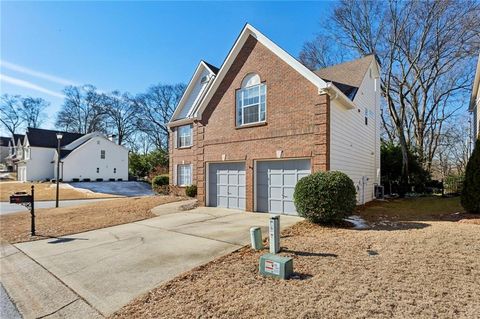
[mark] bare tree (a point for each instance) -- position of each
(121, 111)
(32, 111)
(426, 49)
(83, 110)
(10, 112)
(319, 53)
(155, 108)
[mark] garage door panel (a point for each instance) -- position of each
(276, 206)
(276, 192)
(276, 182)
(290, 179)
(227, 185)
(288, 192)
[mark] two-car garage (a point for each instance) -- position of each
(274, 182)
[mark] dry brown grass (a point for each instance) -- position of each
(426, 269)
(61, 221)
(46, 191)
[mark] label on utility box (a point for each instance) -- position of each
(272, 267)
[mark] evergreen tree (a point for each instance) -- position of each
(471, 187)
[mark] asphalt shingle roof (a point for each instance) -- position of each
(48, 138)
(347, 76)
(4, 140)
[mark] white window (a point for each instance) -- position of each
(184, 175)
(251, 101)
(184, 134)
(102, 154)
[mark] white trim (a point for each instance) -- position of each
(282, 54)
(189, 89)
(476, 83)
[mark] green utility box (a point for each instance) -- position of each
(276, 266)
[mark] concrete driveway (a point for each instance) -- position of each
(127, 188)
(111, 266)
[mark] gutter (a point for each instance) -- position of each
(335, 94)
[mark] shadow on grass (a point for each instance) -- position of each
(308, 254)
(300, 276)
(397, 225)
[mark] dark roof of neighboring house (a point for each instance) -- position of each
(17, 137)
(4, 140)
(48, 138)
(347, 76)
(211, 67)
(64, 153)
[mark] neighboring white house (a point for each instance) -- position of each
(4, 148)
(83, 157)
(15, 151)
(475, 103)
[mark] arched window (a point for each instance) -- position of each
(251, 100)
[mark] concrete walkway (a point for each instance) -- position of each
(111, 266)
(35, 292)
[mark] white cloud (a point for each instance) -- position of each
(45, 76)
(29, 85)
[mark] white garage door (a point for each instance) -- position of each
(276, 182)
(226, 185)
(22, 174)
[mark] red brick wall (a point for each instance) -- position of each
(297, 121)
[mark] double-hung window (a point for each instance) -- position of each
(184, 134)
(184, 175)
(251, 104)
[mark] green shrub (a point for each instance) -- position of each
(191, 191)
(325, 197)
(471, 188)
(160, 180)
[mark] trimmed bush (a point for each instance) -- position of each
(471, 188)
(325, 197)
(99, 179)
(86, 179)
(191, 191)
(120, 179)
(160, 180)
(111, 179)
(75, 179)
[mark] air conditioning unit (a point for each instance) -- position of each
(379, 192)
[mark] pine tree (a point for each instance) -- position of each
(471, 189)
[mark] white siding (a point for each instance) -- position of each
(84, 160)
(354, 146)
(194, 95)
(39, 166)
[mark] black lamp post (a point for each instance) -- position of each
(59, 138)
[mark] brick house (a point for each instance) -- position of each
(247, 132)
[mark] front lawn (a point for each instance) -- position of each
(427, 268)
(47, 191)
(62, 221)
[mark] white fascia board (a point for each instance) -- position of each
(476, 83)
(282, 54)
(335, 93)
(190, 86)
(184, 121)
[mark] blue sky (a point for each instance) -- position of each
(129, 46)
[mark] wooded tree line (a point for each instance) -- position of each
(17, 112)
(138, 121)
(427, 51)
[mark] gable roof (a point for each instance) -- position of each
(350, 73)
(190, 91)
(476, 83)
(17, 138)
(4, 140)
(212, 68)
(48, 138)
